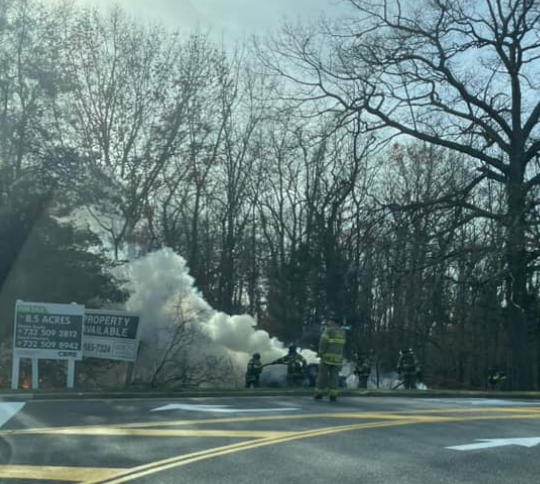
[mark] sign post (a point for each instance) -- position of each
(47, 331)
(71, 374)
(15, 373)
(111, 335)
(35, 373)
(129, 374)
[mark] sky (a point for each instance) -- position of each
(230, 18)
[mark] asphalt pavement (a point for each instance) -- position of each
(270, 440)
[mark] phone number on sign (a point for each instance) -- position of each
(97, 348)
(46, 333)
(47, 345)
(36, 332)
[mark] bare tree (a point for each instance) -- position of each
(133, 94)
(31, 87)
(453, 73)
(181, 354)
(181, 336)
(181, 209)
(244, 104)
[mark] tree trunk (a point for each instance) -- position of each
(227, 280)
(520, 351)
(194, 249)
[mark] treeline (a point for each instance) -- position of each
(275, 170)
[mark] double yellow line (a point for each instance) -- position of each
(259, 438)
(182, 460)
(166, 464)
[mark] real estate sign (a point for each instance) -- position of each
(111, 335)
(48, 331)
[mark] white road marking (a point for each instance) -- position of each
(219, 408)
(492, 402)
(8, 410)
(489, 443)
(501, 403)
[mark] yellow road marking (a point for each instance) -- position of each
(172, 462)
(491, 417)
(72, 474)
(181, 460)
(264, 438)
(267, 418)
(157, 426)
(262, 418)
(78, 474)
(134, 432)
(181, 423)
(474, 410)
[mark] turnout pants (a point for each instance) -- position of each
(255, 383)
(294, 380)
(362, 381)
(409, 381)
(327, 380)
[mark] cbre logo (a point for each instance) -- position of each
(71, 354)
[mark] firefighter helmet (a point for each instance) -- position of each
(332, 316)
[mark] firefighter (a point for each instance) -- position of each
(310, 374)
(496, 379)
(295, 366)
(408, 368)
(253, 372)
(331, 347)
(362, 370)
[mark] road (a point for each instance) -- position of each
(271, 440)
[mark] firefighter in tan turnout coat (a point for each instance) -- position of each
(331, 347)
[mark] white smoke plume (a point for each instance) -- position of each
(161, 288)
(387, 381)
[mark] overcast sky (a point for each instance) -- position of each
(233, 18)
